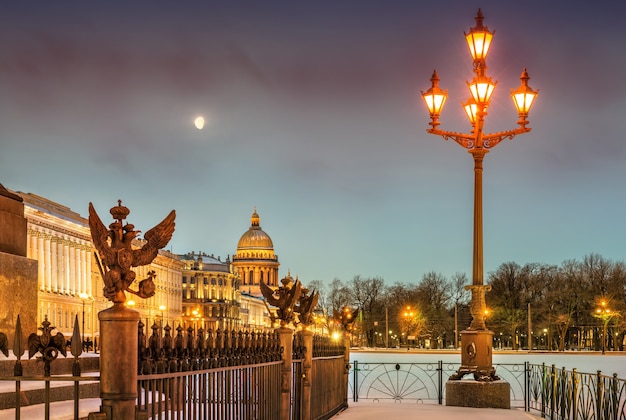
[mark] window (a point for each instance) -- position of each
(184, 279)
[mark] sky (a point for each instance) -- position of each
(314, 117)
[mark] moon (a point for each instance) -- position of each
(199, 123)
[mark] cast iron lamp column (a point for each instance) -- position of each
(476, 341)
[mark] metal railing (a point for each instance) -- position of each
(193, 375)
(556, 394)
(49, 388)
(238, 392)
(562, 394)
(232, 375)
(208, 375)
(328, 396)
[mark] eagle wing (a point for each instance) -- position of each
(156, 238)
(33, 344)
(60, 343)
(268, 294)
(294, 294)
(4, 344)
(313, 302)
(99, 235)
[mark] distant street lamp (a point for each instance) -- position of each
(408, 318)
(477, 341)
(162, 308)
(83, 297)
(605, 314)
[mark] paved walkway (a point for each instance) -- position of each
(402, 411)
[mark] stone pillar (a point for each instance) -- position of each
(118, 361)
(18, 274)
(286, 343)
(307, 364)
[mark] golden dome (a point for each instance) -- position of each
(255, 238)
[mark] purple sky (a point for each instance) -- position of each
(314, 117)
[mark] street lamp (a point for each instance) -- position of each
(408, 318)
(83, 297)
(477, 341)
(605, 313)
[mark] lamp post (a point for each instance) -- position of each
(605, 313)
(408, 319)
(83, 297)
(476, 341)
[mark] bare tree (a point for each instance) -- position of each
(368, 295)
(434, 294)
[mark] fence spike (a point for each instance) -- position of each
(77, 346)
(18, 340)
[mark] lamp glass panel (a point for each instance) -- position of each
(479, 43)
(434, 102)
(523, 101)
(482, 91)
(470, 110)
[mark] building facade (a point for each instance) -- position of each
(193, 290)
(70, 285)
(255, 260)
(210, 293)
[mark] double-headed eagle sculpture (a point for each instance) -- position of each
(290, 299)
(117, 255)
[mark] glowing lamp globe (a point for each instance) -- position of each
(481, 89)
(523, 96)
(471, 109)
(479, 38)
(435, 98)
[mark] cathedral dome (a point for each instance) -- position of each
(255, 238)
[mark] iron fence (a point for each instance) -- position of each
(192, 375)
(49, 387)
(561, 394)
(230, 375)
(328, 396)
(556, 394)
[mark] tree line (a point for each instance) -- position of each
(580, 304)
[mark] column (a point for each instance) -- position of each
(72, 272)
(56, 287)
(66, 266)
(47, 263)
(41, 261)
(87, 270)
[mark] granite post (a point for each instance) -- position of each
(118, 361)
(286, 343)
(307, 364)
(18, 274)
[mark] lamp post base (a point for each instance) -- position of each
(476, 356)
(496, 394)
